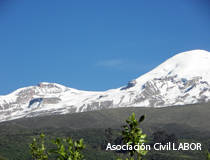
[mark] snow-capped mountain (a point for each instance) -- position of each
(182, 79)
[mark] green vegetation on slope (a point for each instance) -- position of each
(187, 123)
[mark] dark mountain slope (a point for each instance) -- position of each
(188, 123)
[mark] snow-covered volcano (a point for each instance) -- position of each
(182, 79)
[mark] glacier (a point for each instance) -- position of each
(182, 79)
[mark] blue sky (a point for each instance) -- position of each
(94, 44)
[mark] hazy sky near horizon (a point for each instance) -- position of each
(95, 44)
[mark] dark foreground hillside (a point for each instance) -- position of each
(190, 123)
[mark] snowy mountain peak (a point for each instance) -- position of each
(182, 79)
(187, 64)
(52, 86)
(195, 63)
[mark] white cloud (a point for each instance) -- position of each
(110, 63)
(125, 65)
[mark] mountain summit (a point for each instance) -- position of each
(182, 79)
(186, 64)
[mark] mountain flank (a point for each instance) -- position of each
(180, 80)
